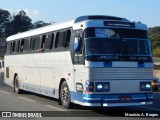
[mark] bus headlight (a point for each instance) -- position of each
(145, 86)
(102, 86)
(148, 86)
(106, 86)
(99, 87)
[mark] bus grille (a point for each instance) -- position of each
(118, 73)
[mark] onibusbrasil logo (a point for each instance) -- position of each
(21, 114)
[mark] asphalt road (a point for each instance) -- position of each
(30, 102)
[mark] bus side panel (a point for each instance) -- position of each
(63, 69)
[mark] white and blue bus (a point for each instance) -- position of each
(91, 61)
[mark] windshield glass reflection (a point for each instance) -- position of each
(117, 49)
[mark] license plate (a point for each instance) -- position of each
(125, 98)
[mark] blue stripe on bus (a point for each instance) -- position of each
(149, 94)
(92, 95)
(96, 98)
(141, 64)
(100, 98)
(78, 96)
(149, 97)
(107, 64)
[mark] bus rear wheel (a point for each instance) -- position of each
(65, 95)
(16, 85)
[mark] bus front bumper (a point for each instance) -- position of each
(116, 104)
(97, 100)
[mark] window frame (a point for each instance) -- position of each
(50, 37)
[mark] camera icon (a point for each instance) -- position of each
(6, 114)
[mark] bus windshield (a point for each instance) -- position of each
(100, 49)
(102, 46)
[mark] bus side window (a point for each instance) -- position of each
(56, 40)
(16, 49)
(78, 57)
(49, 41)
(22, 45)
(37, 43)
(67, 40)
(60, 39)
(42, 45)
(8, 48)
(18, 46)
(13, 46)
(43, 41)
(26, 45)
(32, 42)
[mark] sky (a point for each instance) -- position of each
(145, 11)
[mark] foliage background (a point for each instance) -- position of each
(154, 36)
(13, 24)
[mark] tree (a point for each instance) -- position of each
(39, 24)
(5, 18)
(20, 23)
(153, 30)
(155, 38)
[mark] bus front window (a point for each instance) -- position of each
(136, 47)
(102, 46)
(115, 49)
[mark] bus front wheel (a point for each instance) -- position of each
(65, 95)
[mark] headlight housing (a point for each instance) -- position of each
(102, 86)
(89, 86)
(145, 86)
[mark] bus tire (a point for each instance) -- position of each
(65, 98)
(16, 85)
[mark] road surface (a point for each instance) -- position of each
(30, 102)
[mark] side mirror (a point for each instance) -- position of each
(150, 42)
(77, 44)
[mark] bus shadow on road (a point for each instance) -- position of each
(76, 107)
(40, 96)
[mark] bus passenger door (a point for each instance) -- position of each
(78, 60)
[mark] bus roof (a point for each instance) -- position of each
(48, 28)
(100, 17)
(62, 25)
